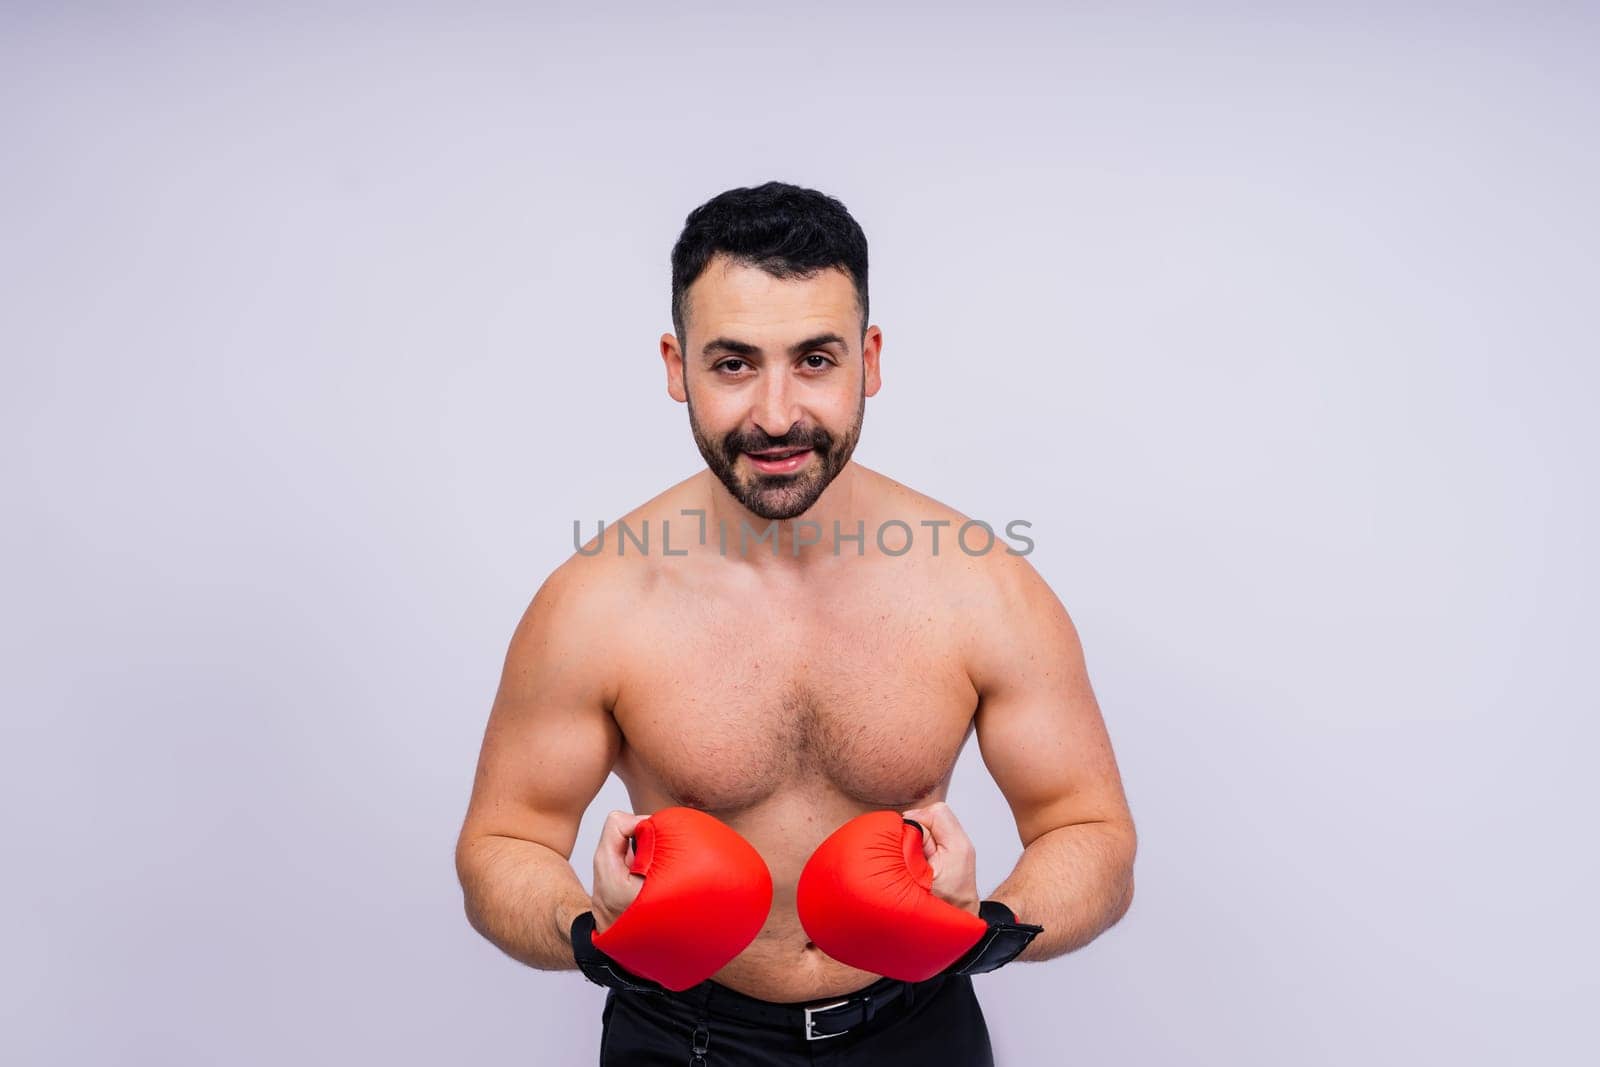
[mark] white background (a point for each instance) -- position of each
(320, 330)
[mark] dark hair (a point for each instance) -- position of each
(782, 229)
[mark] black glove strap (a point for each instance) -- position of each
(999, 945)
(600, 968)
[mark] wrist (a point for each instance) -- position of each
(1004, 939)
(600, 968)
(992, 911)
(565, 916)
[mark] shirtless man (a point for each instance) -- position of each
(788, 685)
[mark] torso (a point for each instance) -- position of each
(786, 706)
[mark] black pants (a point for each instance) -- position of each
(943, 1026)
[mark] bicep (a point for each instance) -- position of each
(1039, 727)
(550, 741)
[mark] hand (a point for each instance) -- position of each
(694, 895)
(950, 853)
(615, 887)
(866, 896)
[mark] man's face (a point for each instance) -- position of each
(773, 367)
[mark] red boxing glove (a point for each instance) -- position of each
(865, 898)
(706, 894)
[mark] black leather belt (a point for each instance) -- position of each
(818, 1019)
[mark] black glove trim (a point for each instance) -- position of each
(999, 945)
(600, 968)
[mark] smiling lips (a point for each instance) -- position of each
(779, 462)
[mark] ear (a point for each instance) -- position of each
(674, 363)
(871, 347)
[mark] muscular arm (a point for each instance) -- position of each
(1043, 739)
(548, 747)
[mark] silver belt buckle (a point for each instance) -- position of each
(810, 1034)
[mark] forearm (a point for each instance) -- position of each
(522, 896)
(1075, 881)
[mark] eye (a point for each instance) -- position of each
(818, 355)
(729, 365)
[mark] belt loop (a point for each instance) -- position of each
(911, 995)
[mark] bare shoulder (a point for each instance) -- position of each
(1019, 633)
(896, 501)
(604, 579)
(974, 556)
(663, 525)
(994, 594)
(620, 561)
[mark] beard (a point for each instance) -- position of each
(779, 496)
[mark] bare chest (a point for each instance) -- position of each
(860, 697)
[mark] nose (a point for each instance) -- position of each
(775, 407)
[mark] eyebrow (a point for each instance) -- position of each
(728, 346)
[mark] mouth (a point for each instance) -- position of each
(780, 462)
